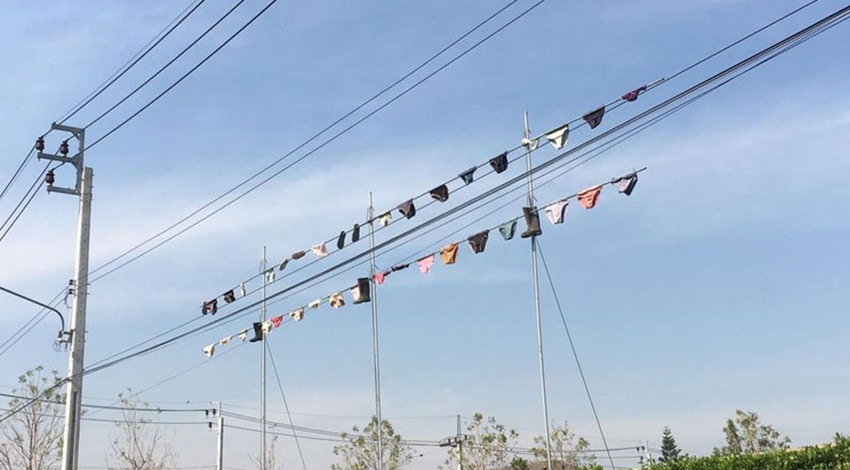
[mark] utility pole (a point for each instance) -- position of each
(376, 350)
(219, 463)
(263, 365)
(455, 441)
(527, 135)
(460, 446)
(77, 337)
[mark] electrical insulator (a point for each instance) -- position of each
(63, 149)
(39, 144)
(50, 178)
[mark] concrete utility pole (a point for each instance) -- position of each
(455, 441)
(83, 189)
(219, 462)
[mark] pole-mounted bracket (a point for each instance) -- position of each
(76, 160)
(64, 336)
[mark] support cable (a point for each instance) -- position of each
(575, 354)
(286, 406)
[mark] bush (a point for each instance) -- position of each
(835, 456)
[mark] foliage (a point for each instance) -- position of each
(669, 450)
(32, 438)
(519, 463)
(361, 450)
(567, 452)
(746, 435)
(487, 444)
(835, 456)
(139, 445)
(271, 457)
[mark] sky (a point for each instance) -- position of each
(719, 284)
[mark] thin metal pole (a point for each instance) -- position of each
(263, 366)
(220, 454)
(375, 344)
(459, 446)
(527, 135)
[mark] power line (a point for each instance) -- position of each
(154, 42)
(169, 228)
(308, 141)
(17, 173)
(25, 201)
(133, 60)
(162, 69)
(115, 408)
(398, 81)
(179, 80)
(738, 66)
(742, 67)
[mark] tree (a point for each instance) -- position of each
(519, 463)
(32, 438)
(487, 444)
(567, 453)
(271, 457)
(360, 452)
(139, 445)
(669, 450)
(746, 435)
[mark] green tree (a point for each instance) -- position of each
(746, 435)
(138, 445)
(32, 438)
(360, 452)
(669, 450)
(567, 452)
(519, 463)
(487, 445)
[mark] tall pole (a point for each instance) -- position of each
(376, 351)
(527, 135)
(77, 333)
(219, 463)
(459, 446)
(263, 367)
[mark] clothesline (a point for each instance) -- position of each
(361, 291)
(558, 137)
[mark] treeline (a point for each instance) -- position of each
(834, 456)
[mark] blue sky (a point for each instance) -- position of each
(719, 284)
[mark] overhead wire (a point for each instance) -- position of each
(315, 136)
(162, 69)
(615, 102)
(150, 46)
(184, 76)
(17, 172)
(413, 71)
(741, 67)
(738, 66)
(25, 201)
